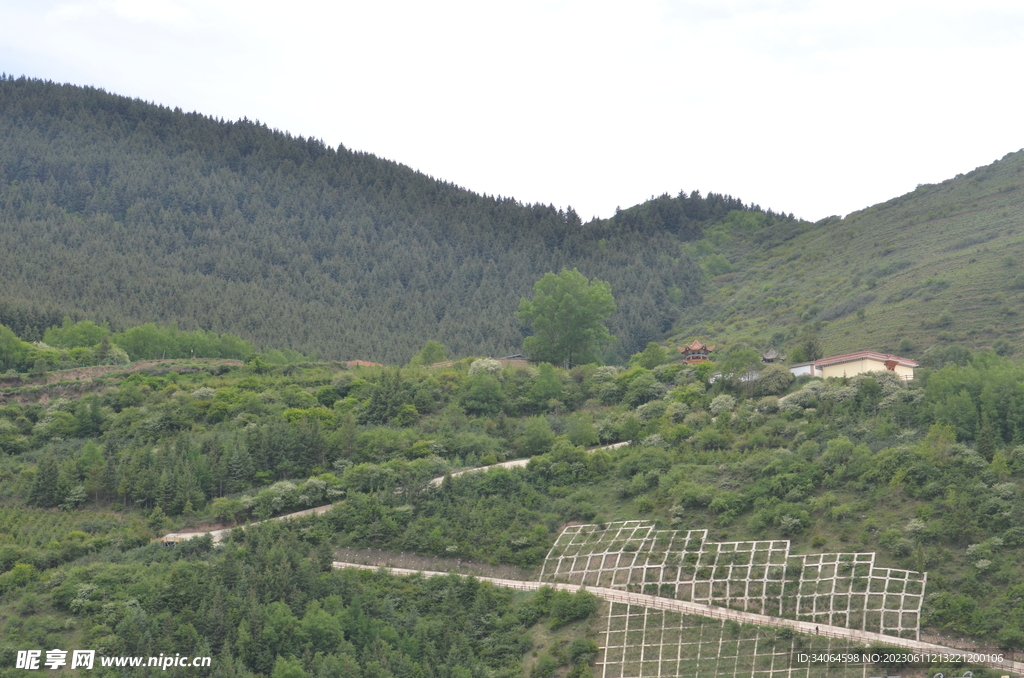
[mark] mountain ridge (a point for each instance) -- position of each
(933, 268)
(123, 211)
(126, 212)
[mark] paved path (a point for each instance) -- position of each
(515, 463)
(686, 607)
(221, 534)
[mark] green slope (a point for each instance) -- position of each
(942, 264)
(929, 475)
(115, 209)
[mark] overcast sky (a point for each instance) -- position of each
(815, 108)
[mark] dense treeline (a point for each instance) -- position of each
(929, 475)
(125, 212)
(85, 344)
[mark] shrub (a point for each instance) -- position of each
(722, 403)
(790, 525)
(644, 505)
(606, 373)
(774, 380)
(204, 393)
(652, 410)
(644, 388)
(537, 437)
(582, 651)
(675, 412)
(545, 667)
(610, 393)
(711, 439)
(651, 357)
(569, 607)
(488, 365)
(666, 374)
(654, 440)
(715, 265)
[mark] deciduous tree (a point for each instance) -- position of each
(567, 314)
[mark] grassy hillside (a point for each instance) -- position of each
(943, 264)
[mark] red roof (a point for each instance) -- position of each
(861, 355)
(696, 346)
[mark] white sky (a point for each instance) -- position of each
(811, 107)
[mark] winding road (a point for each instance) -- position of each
(220, 534)
(639, 599)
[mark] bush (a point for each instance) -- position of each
(610, 393)
(715, 265)
(582, 651)
(711, 439)
(774, 380)
(537, 437)
(652, 410)
(19, 575)
(651, 357)
(488, 365)
(644, 505)
(722, 403)
(791, 525)
(569, 607)
(675, 412)
(642, 389)
(667, 373)
(545, 667)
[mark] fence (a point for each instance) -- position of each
(712, 612)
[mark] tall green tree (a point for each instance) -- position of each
(432, 352)
(13, 351)
(73, 335)
(567, 314)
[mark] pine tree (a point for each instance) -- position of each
(103, 351)
(240, 469)
(45, 490)
(987, 439)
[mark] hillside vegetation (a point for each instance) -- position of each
(121, 211)
(132, 232)
(941, 265)
(930, 475)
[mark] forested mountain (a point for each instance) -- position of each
(939, 266)
(118, 210)
(175, 235)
